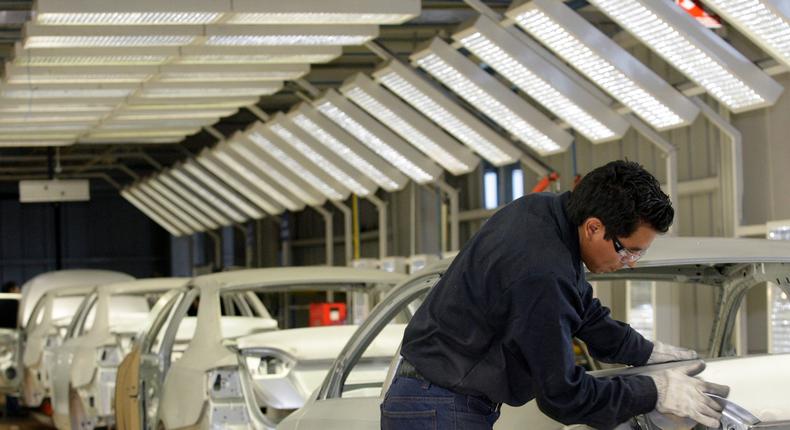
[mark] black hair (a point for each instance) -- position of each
(8, 286)
(622, 194)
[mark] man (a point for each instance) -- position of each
(498, 326)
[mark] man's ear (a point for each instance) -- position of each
(592, 227)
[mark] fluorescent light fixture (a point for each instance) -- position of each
(136, 140)
(404, 81)
(158, 124)
(604, 62)
(213, 89)
(85, 118)
(73, 91)
(217, 217)
(247, 155)
(323, 157)
(182, 204)
(232, 179)
(410, 125)
(491, 97)
(57, 106)
(210, 189)
(323, 12)
(121, 12)
(347, 147)
(132, 135)
(252, 148)
(38, 128)
(765, 22)
(252, 171)
(211, 115)
(239, 55)
(225, 73)
(377, 137)
(30, 136)
(170, 207)
(150, 213)
(278, 146)
(542, 81)
(187, 103)
(108, 56)
(35, 143)
(295, 35)
(77, 74)
(695, 51)
(55, 36)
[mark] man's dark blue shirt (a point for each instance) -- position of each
(501, 321)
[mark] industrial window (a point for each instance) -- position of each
(491, 189)
(517, 183)
(779, 320)
(640, 311)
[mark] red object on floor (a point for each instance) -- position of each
(327, 314)
(46, 408)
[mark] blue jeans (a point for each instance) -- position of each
(413, 404)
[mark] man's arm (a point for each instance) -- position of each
(609, 340)
(564, 391)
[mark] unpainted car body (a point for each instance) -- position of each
(10, 375)
(83, 378)
(731, 266)
(203, 388)
(44, 315)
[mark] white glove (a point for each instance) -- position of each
(682, 395)
(663, 353)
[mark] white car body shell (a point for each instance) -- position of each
(184, 392)
(758, 383)
(76, 360)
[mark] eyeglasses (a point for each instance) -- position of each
(626, 255)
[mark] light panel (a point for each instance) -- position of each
(295, 35)
(54, 36)
(149, 202)
(347, 147)
(214, 89)
(604, 62)
(211, 189)
(194, 103)
(136, 140)
(695, 51)
(285, 180)
(150, 213)
(765, 22)
(240, 55)
(230, 177)
(283, 147)
(215, 216)
(206, 222)
(50, 117)
(212, 115)
(121, 12)
(56, 57)
(253, 149)
(322, 156)
(224, 73)
(377, 137)
(542, 81)
(409, 125)
(77, 74)
(133, 135)
(323, 12)
(404, 82)
(492, 98)
(55, 106)
(170, 207)
(35, 143)
(68, 91)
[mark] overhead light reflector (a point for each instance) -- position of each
(410, 125)
(492, 98)
(377, 137)
(542, 81)
(604, 62)
(296, 35)
(151, 213)
(697, 52)
(212, 189)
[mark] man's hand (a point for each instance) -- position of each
(663, 353)
(680, 394)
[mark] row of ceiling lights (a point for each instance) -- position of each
(292, 161)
